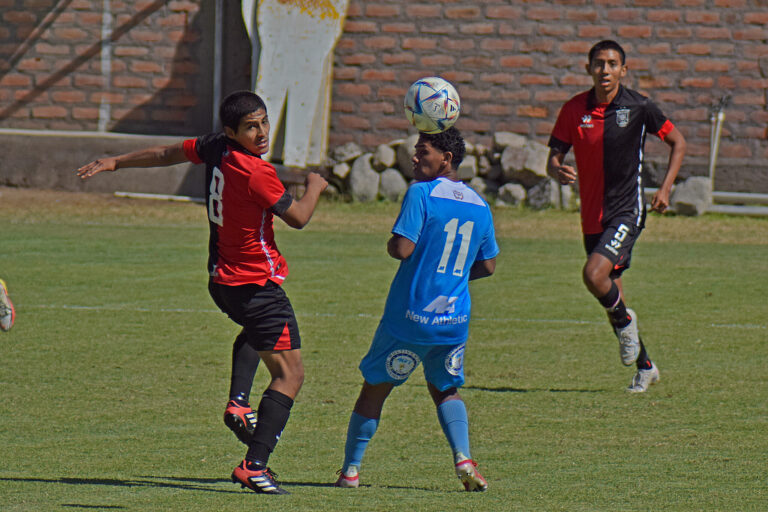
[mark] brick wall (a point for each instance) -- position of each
(53, 74)
(513, 62)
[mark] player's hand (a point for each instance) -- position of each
(97, 166)
(660, 201)
(566, 175)
(315, 180)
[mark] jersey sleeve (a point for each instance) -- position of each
(489, 248)
(656, 122)
(560, 140)
(190, 151)
(410, 221)
(265, 187)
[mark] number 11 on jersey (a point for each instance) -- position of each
(461, 258)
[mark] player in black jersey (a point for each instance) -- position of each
(606, 126)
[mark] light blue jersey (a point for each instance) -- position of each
(452, 227)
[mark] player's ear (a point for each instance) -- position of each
(588, 68)
(623, 71)
(229, 132)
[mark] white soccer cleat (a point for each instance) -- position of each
(7, 313)
(629, 340)
(643, 379)
(349, 478)
(467, 472)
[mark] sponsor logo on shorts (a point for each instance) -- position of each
(455, 361)
(401, 363)
(618, 239)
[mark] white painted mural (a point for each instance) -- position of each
(296, 39)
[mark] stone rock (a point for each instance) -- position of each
(526, 165)
(468, 168)
(483, 165)
(383, 157)
(512, 194)
(347, 152)
(363, 180)
(481, 150)
(536, 159)
(544, 194)
(341, 170)
(503, 140)
(392, 184)
(469, 148)
(512, 162)
(567, 197)
(692, 197)
(482, 186)
(405, 152)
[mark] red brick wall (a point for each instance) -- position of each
(513, 62)
(51, 67)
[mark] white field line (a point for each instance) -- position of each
(135, 309)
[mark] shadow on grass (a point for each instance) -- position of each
(190, 484)
(533, 390)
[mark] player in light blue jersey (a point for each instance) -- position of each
(444, 238)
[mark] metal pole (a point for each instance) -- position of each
(217, 66)
(717, 117)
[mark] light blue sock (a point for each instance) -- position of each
(359, 432)
(453, 418)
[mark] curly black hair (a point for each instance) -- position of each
(449, 140)
(237, 105)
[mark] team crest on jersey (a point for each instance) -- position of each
(401, 363)
(455, 360)
(458, 194)
(586, 121)
(622, 117)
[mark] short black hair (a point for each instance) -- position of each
(239, 104)
(607, 44)
(449, 140)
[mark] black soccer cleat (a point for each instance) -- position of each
(241, 420)
(257, 479)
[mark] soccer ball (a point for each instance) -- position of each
(432, 105)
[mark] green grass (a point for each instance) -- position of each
(114, 379)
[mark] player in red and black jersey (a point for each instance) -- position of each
(607, 126)
(246, 268)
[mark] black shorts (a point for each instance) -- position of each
(615, 243)
(264, 312)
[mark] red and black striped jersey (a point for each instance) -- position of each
(608, 141)
(242, 193)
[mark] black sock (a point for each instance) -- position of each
(643, 361)
(614, 306)
(274, 410)
(245, 362)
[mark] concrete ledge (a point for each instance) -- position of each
(49, 159)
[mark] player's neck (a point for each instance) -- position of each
(603, 96)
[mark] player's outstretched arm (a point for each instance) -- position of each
(565, 174)
(298, 214)
(156, 156)
(677, 145)
(482, 268)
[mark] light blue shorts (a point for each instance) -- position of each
(392, 360)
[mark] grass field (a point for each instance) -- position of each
(114, 379)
